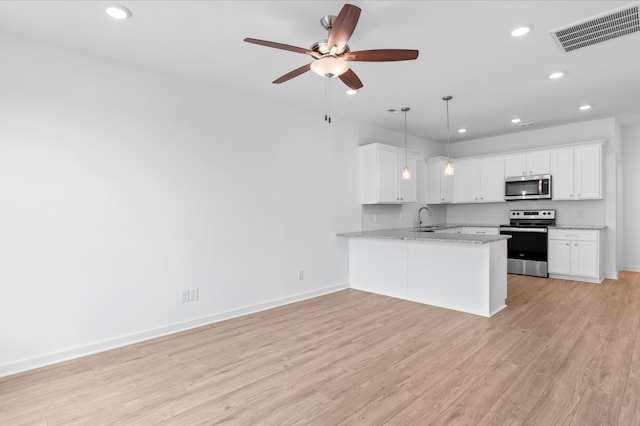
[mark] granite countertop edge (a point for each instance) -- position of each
(410, 234)
(583, 227)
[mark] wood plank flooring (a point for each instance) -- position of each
(562, 353)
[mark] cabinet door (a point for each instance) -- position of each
(588, 172)
(562, 174)
(584, 259)
(388, 175)
(465, 181)
(559, 257)
(538, 163)
(515, 165)
(439, 186)
(491, 179)
(408, 191)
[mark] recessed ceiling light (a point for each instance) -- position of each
(118, 12)
(462, 130)
(520, 31)
(352, 92)
(585, 107)
(516, 120)
(556, 74)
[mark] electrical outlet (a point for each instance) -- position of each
(193, 294)
(300, 275)
(184, 296)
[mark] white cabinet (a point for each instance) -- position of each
(465, 181)
(574, 255)
(480, 230)
(576, 172)
(479, 180)
(527, 163)
(381, 167)
(439, 186)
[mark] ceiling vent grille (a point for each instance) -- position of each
(596, 30)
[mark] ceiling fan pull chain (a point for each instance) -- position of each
(329, 97)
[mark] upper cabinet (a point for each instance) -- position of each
(381, 167)
(439, 186)
(577, 172)
(527, 163)
(479, 180)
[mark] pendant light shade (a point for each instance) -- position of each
(448, 168)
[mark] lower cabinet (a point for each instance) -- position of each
(574, 255)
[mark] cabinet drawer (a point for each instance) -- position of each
(480, 230)
(573, 235)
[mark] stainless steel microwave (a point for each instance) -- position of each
(527, 188)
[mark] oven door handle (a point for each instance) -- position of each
(538, 230)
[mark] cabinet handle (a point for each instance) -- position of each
(567, 244)
(579, 195)
(476, 198)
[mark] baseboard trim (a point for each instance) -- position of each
(78, 352)
(631, 268)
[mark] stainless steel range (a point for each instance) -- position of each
(527, 247)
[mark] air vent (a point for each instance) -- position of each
(596, 30)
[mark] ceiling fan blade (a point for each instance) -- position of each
(292, 74)
(351, 80)
(382, 55)
(343, 27)
(280, 46)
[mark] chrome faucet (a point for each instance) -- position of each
(419, 218)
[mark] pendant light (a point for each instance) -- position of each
(448, 168)
(406, 173)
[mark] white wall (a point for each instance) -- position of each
(631, 197)
(120, 187)
(600, 212)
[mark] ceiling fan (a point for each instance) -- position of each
(332, 56)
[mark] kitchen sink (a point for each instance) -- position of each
(427, 229)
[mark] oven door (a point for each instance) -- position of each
(526, 250)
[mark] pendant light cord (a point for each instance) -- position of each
(448, 132)
(406, 155)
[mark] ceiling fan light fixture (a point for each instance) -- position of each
(352, 92)
(118, 12)
(329, 67)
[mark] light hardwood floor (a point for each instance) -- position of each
(562, 353)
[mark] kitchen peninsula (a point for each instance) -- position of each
(463, 272)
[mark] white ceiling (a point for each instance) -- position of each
(465, 51)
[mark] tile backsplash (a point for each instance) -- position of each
(386, 216)
(583, 212)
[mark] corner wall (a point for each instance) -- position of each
(120, 188)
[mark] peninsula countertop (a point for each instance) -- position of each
(416, 235)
